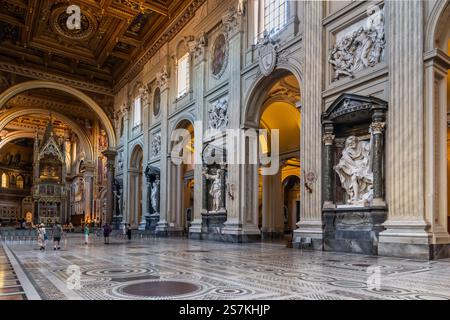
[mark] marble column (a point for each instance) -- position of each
(89, 190)
(266, 196)
(223, 187)
(144, 93)
(204, 193)
(310, 224)
(328, 163)
(126, 200)
(376, 129)
(277, 210)
(407, 231)
(110, 156)
(178, 184)
(199, 53)
(162, 82)
(148, 199)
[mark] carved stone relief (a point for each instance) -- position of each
(218, 114)
(156, 144)
(360, 48)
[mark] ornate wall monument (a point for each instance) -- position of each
(354, 207)
(152, 175)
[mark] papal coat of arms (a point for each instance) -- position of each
(267, 54)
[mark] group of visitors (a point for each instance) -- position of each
(57, 232)
(106, 233)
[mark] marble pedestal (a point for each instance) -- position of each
(116, 222)
(152, 221)
(212, 224)
(353, 229)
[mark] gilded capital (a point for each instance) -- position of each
(328, 139)
(377, 127)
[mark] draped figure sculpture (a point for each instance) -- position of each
(215, 191)
(354, 171)
(154, 199)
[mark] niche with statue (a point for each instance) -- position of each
(353, 162)
(214, 177)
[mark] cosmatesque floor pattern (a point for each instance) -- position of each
(10, 288)
(178, 268)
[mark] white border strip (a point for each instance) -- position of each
(27, 287)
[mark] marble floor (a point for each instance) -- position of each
(176, 268)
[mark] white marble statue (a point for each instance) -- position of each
(153, 197)
(215, 191)
(354, 171)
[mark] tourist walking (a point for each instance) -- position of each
(86, 234)
(57, 233)
(106, 232)
(129, 231)
(42, 236)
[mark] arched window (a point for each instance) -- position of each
(19, 182)
(137, 111)
(183, 75)
(270, 17)
(4, 180)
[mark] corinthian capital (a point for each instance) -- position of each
(328, 139)
(162, 78)
(231, 21)
(377, 127)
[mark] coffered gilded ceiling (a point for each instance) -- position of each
(114, 36)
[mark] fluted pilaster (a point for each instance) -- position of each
(310, 224)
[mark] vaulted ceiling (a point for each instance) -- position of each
(114, 35)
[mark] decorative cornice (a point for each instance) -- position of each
(29, 101)
(185, 17)
(43, 75)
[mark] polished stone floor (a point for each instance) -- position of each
(176, 268)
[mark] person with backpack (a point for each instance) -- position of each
(42, 236)
(86, 233)
(57, 233)
(106, 232)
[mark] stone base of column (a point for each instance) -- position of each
(408, 239)
(161, 228)
(195, 230)
(329, 205)
(234, 231)
(309, 229)
(142, 226)
(117, 222)
(378, 202)
(175, 231)
(267, 235)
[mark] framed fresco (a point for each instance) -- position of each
(219, 56)
(156, 102)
